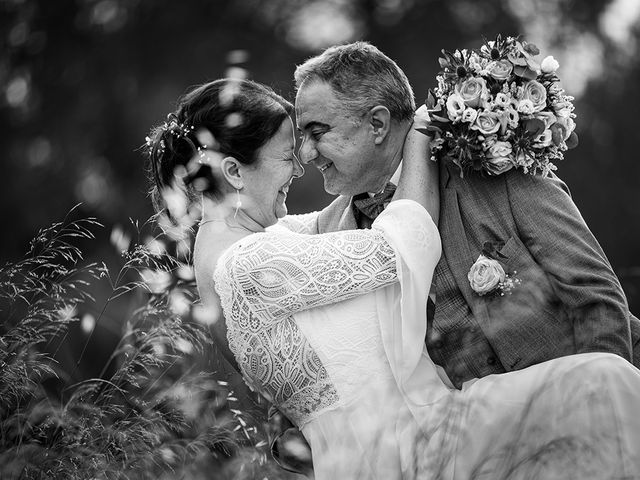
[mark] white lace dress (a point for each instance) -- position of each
(330, 328)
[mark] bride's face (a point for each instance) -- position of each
(267, 181)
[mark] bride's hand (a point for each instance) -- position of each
(421, 118)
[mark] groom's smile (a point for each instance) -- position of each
(324, 167)
(336, 141)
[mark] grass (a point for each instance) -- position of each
(153, 412)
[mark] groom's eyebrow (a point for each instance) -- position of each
(311, 125)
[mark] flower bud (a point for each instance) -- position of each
(549, 64)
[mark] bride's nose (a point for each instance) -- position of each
(298, 169)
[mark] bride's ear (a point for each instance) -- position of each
(380, 119)
(231, 172)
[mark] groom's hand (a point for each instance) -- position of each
(289, 448)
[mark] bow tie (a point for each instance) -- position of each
(368, 208)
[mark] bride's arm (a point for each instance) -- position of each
(279, 273)
(419, 176)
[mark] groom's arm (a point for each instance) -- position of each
(557, 236)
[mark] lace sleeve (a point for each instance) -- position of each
(280, 273)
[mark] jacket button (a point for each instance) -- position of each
(491, 360)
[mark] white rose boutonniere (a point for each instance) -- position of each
(487, 274)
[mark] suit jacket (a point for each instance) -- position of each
(568, 300)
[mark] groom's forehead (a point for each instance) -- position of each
(309, 114)
(314, 95)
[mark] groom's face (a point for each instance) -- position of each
(340, 145)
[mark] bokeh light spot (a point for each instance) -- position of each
(317, 25)
(619, 20)
(206, 314)
(19, 34)
(238, 56)
(88, 323)
(17, 91)
(120, 239)
(93, 184)
(39, 152)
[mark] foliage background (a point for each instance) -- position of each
(82, 82)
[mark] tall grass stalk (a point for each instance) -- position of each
(151, 413)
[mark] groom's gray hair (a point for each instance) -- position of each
(361, 77)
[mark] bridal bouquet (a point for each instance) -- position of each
(498, 108)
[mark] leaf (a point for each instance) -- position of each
(557, 133)
(517, 61)
(438, 118)
(533, 65)
(425, 131)
(431, 101)
(530, 74)
(489, 250)
(431, 131)
(533, 126)
(530, 48)
(524, 72)
(519, 70)
(572, 141)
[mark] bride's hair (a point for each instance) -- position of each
(233, 117)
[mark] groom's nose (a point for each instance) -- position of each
(307, 151)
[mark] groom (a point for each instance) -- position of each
(568, 300)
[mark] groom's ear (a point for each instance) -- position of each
(380, 119)
(231, 171)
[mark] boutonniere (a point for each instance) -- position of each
(487, 275)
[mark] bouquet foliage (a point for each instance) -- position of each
(498, 108)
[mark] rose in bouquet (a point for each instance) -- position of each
(498, 108)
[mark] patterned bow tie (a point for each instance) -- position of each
(368, 208)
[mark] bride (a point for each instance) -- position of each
(330, 328)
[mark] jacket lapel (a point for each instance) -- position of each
(338, 215)
(455, 244)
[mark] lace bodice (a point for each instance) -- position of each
(265, 278)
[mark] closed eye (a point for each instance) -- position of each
(316, 134)
(315, 129)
